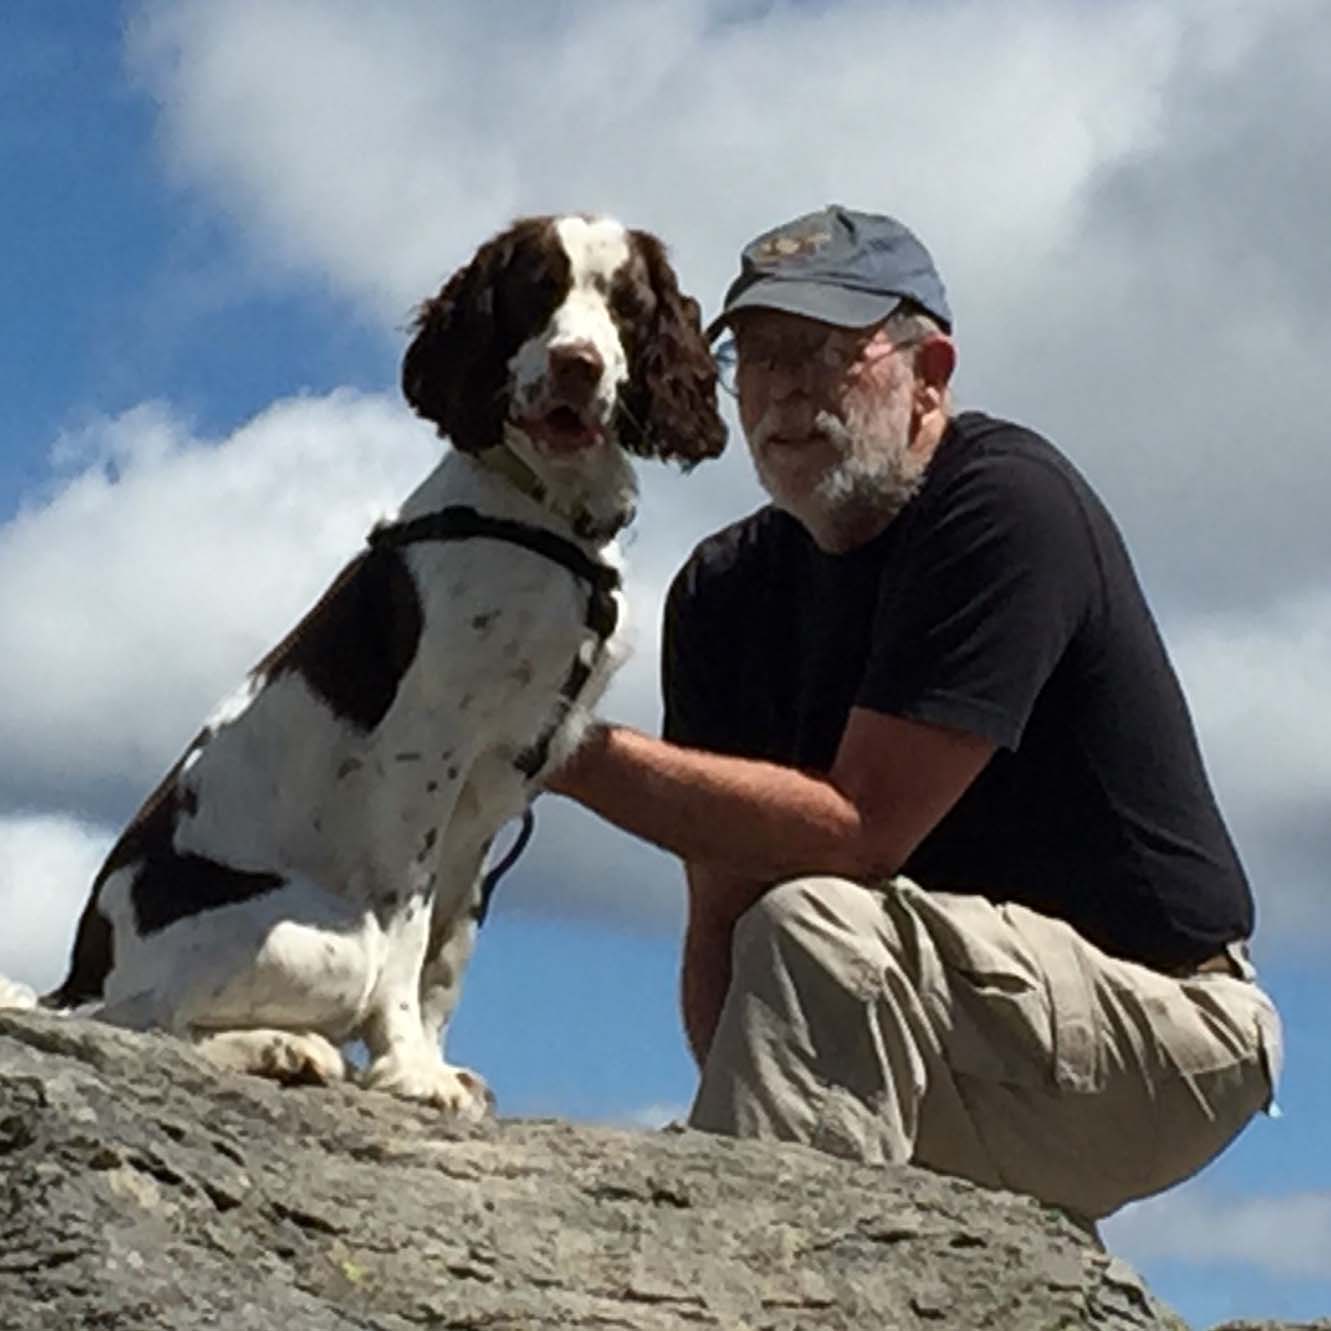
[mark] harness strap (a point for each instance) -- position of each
(460, 523)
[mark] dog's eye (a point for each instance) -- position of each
(527, 292)
(631, 301)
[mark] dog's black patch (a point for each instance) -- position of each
(94, 942)
(167, 885)
(354, 647)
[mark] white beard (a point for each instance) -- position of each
(873, 477)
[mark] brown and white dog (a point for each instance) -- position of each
(309, 872)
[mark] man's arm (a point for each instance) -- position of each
(762, 823)
(704, 977)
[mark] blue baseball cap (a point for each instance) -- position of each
(838, 266)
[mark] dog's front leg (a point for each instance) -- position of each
(452, 937)
(410, 1067)
(405, 1062)
(405, 1058)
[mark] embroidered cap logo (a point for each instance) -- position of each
(785, 247)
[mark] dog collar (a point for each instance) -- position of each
(505, 462)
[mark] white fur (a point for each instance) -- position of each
(596, 249)
(380, 837)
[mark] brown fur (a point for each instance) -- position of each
(455, 372)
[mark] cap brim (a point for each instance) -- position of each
(813, 300)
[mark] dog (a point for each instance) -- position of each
(310, 873)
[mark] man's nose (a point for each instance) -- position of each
(789, 377)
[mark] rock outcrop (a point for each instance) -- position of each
(142, 1189)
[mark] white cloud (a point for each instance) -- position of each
(1257, 683)
(1285, 1237)
(47, 864)
(375, 152)
(1124, 199)
(1174, 338)
(161, 566)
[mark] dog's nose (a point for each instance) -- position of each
(575, 367)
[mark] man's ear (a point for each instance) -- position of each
(935, 360)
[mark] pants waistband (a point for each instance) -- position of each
(1233, 959)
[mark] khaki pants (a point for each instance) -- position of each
(985, 1041)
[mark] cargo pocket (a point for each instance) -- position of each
(1020, 1007)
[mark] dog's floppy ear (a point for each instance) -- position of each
(670, 407)
(455, 371)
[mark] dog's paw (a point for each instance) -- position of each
(458, 1091)
(16, 996)
(303, 1059)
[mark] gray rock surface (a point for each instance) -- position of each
(141, 1189)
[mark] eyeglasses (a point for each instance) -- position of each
(827, 356)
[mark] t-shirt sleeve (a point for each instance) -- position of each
(987, 600)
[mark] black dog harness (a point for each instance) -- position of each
(460, 523)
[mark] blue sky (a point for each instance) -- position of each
(131, 290)
(219, 216)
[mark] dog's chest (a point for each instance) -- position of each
(503, 630)
(300, 775)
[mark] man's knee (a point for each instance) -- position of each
(788, 907)
(824, 917)
(812, 1040)
(778, 909)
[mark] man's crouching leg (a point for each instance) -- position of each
(980, 1040)
(826, 1036)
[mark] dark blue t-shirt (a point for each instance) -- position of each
(1001, 602)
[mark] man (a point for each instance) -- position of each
(959, 892)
